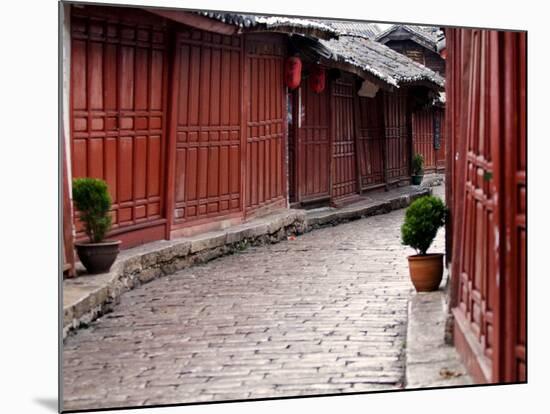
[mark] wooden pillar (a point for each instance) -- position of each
(68, 229)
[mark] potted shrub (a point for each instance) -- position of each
(91, 198)
(417, 169)
(423, 219)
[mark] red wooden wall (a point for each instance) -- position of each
(207, 127)
(371, 141)
(118, 90)
(423, 138)
(487, 185)
(398, 146)
(344, 167)
(266, 123)
(313, 144)
(440, 154)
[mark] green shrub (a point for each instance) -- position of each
(418, 164)
(91, 197)
(423, 219)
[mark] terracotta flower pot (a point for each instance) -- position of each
(98, 257)
(426, 271)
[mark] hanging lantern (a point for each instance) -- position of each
(317, 79)
(293, 72)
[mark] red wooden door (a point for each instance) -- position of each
(118, 84)
(477, 291)
(344, 167)
(515, 212)
(423, 137)
(207, 127)
(371, 141)
(313, 149)
(486, 75)
(266, 123)
(397, 136)
(440, 153)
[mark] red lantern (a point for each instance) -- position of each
(293, 72)
(317, 79)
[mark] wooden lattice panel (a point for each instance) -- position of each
(397, 136)
(118, 67)
(208, 126)
(371, 141)
(344, 169)
(423, 137)
(313, 144)
(266, 121)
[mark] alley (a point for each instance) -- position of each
(324, 313)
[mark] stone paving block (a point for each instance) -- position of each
(274, 320)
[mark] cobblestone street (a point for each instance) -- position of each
(325, 313)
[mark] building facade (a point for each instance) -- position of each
(188, 118)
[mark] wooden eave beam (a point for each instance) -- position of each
(196, 21)
(348, 67)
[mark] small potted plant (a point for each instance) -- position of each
(417, 169)
(423, 219)
(91, 198)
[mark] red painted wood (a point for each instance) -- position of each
(266, 182)
(207, 127)
(118, 87)
(371, 141)
(344, 171)
(440, 154)
(424, 140)
(313, 145)
(423, 137)
(486, 121)
(397, 136)
(68, 249)
(515, 208)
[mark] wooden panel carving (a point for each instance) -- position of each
(397, 135)
(207, 126)
(423, 137)
(440, 153)
(487, 124)
(118, 68)
(344, 168)
(266, 122)
(371, 141)
(313, 152)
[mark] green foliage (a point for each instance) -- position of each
(91, 197)
(418, 164)
(423, 219)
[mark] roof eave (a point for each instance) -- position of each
(435, 86)
(358, 71)
(289, 29)
(195, 20)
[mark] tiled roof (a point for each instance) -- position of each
(380, 61)
(426, 36)
(351, 48)
(363, 29)
(250, 22)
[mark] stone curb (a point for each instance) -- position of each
(430, 362)
(359, 210)
(94, 295)
(91, 296)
